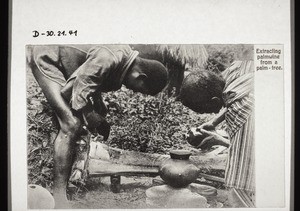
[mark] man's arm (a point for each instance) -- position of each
(91, 76)
(220, 117)
(212, 124)
(66, 91)
(212, 139)
(96, 100)
(99, 105)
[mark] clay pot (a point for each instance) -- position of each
(178, 171)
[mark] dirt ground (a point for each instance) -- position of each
(132, 195)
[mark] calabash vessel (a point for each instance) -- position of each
(39, 198)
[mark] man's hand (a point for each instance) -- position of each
(207, 126)
(212, 139)
(211, 125)
(66, 91)
(195, 137)
(99, 105)
(96, 123)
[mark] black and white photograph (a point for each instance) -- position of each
(140, 126)
(150, 105)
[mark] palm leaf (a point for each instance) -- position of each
(192, 55)
(175, 54)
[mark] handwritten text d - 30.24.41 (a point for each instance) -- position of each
(62, 33)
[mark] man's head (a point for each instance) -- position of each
(146, 76)
(202, 92)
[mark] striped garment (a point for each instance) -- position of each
(239, 100)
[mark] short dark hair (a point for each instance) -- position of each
(200, 87)
(157, 75)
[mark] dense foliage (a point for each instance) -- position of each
(42, 129)
(149, 124)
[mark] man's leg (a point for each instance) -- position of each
(70, 127)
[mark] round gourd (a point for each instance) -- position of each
(39, 198)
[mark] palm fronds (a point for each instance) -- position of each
(175, 54)
(192, 55)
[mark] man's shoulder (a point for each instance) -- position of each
(239, 68)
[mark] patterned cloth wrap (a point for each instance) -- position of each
(239, 100)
